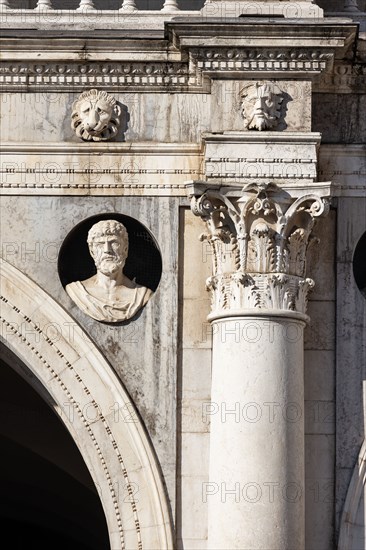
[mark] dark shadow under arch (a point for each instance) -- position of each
(48, 497)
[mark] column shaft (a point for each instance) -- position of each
(259, 293)
(256, 491)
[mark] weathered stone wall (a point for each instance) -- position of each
(143, 352)
(163, 356)
(339, 117)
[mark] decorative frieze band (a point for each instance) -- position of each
(261, 59)
(65, 76)
(259, 244)
(162, 169)
(342, 79)
(246, 157)
(98, 168)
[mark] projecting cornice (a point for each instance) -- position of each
(193, 53)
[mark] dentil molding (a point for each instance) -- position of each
(193, 52)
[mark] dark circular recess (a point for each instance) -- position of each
(143, 262)
(359, 264)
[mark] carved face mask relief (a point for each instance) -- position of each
(95, 116)
(261, 106)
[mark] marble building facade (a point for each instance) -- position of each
(226, 409)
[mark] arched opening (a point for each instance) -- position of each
(59, 357)
(48, 497)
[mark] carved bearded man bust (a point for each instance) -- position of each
(95, 116)
(109, 295)
(261, 105)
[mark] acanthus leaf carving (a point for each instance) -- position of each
(259, 244)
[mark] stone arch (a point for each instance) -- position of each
(95, 408)
(350, 529)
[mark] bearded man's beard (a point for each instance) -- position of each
(110, 265)
(262, 121)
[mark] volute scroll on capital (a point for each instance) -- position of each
(259, 244)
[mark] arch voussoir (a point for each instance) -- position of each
(87, 394)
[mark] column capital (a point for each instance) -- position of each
(259, 242)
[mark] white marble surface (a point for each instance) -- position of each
(286, 159)
(259, 379)
(225, 105)
(143, 353)
(102, 169)
(164, 357)
(194, 389)
(151, 116)
(227, 8)
(77, 381)
(155, 117)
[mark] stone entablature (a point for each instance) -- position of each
(243, 157)
(99, 168)
(259, 243)
(163, 169)
(188, 59)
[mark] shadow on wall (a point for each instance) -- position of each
(338, 5)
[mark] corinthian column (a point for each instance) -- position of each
(259, 295)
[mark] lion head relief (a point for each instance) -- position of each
(95, 116)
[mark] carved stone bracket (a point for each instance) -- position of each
(259, 244)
